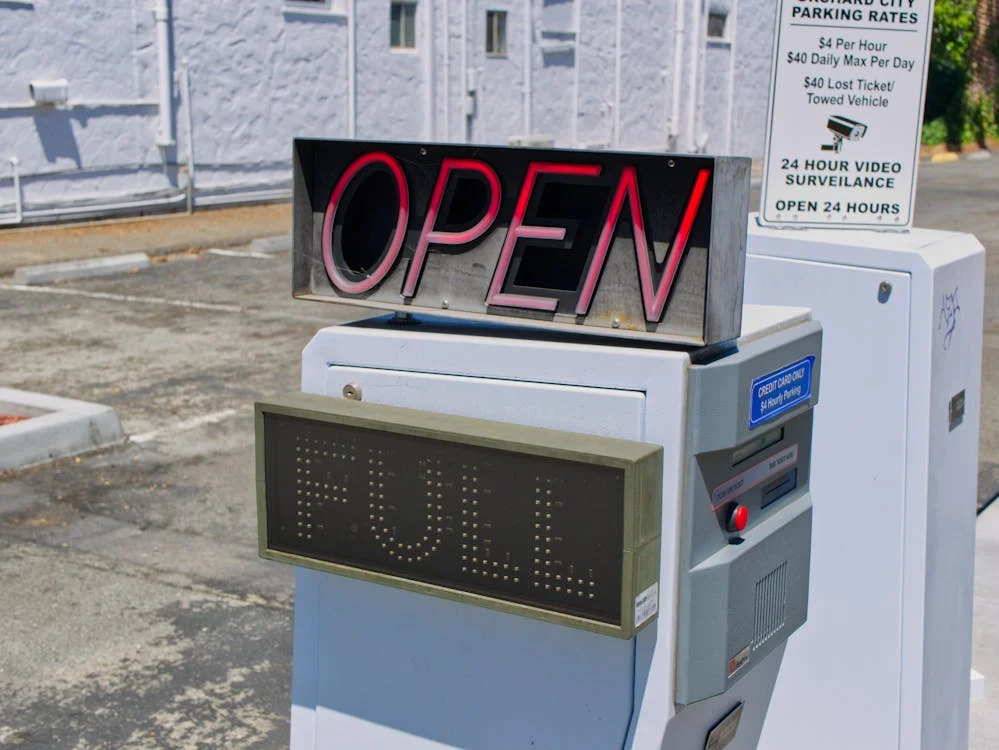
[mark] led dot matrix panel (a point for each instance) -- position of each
(554, 525)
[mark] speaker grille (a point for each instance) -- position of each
(771, 605)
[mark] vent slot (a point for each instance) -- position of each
(771, 605)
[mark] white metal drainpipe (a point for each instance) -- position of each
(616, 139)
(733, 15)
(83, 104)
(447, 72)
(15, 165)
(429, 78)
(352, 69)
(104, 210)
(466, 93)
(696, 56)
(679, 39)
(165, 136)
(528, 94)
(185, 89)
(578, 25)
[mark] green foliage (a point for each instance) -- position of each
(979, 125)
(946, 97)
(934, 132)
(953, 29)
(994, 46)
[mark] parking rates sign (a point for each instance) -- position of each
(846, 106)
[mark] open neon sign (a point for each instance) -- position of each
(563, 237)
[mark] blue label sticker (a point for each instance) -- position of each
(779, 391)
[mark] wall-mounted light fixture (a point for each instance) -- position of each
(49, 92)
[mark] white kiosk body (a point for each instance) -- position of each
(560, 498)
(884, 660)
(380, 667)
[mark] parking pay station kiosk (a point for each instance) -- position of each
(896, 446)
(558, 496)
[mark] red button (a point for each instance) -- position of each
(739, 518)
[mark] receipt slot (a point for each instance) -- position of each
(508, 535)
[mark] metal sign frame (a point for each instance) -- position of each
(636, 245)
(641, 465)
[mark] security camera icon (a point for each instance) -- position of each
(843, 128)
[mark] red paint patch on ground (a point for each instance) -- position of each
(8, 419)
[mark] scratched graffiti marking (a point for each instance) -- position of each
(949, 308)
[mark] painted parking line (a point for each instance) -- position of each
(239, 253)
(256, 313)
(123, 297)
(183, 426)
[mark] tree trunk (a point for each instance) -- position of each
(984, 50)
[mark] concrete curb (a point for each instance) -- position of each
(80, 269)
(949, 157)
(58, 427)
(977, 685)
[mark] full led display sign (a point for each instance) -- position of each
(548, 524)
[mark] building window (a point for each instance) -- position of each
(558, 26)
(403, 25)
(314, 7)
(716, 25)
(496, 33)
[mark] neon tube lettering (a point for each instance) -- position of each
(389, 257)
(653, 298)
(519, 230)
(431, 236)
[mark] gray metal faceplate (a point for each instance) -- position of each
(743, 593)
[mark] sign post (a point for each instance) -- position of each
(849, 79)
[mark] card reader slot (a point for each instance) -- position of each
(774, 491)
(756, 446)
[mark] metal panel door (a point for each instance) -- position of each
(839, 685)
(401, 670)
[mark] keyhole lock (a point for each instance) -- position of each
(884, 292)
(352, 391)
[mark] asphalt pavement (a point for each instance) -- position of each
(136, 612)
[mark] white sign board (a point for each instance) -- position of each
(846, 109)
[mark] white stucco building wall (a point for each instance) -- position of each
(152, 83)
